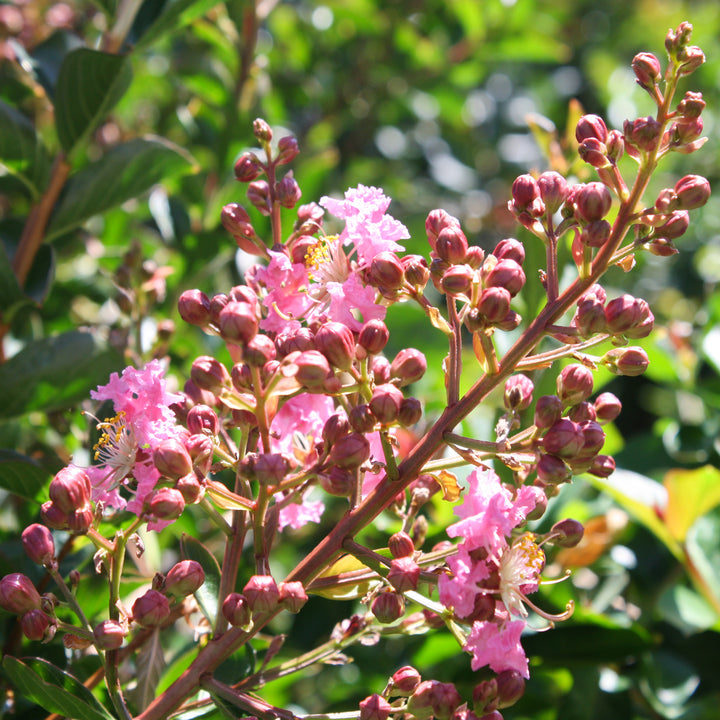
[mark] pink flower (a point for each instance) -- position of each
(143, 419)
(459, 590)
(498, 646)
(489, 512)
(297, 515)
(367, 227)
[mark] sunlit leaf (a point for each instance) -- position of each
(346, 579)
(691, 494)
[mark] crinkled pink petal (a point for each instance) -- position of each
(498, 646)
(306, 414)
(297, 515)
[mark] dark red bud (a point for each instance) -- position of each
(236, 610)
(630, 361)
(52, 516)
(288, 150)
(404, 681)
(337, 343)
(338, 482)
(524, 191)
(202, 419)
(167, 504)
(506, 274)
(292, 596)
(404, 574)
(401, 545)
(386, 271)
(194, 307)
(262, 593)
(373, 336)
(647, 69)
(607, 407)
(416, 270)
(554, 191)
(109, 634)
(247, 167)
(518, 392)
(312, 369)
(510, 249)
(151, 609)
(596, 234)
(574, 384)
(457, 280)
(451, 244)
(410, 412)
(568, 533)
(38, 626)
(70, 489)
(184, 578)
(594, 152)
(435, 222)
(209, 374)
(18, 594)
(258, 193)
(511, 687)
(375, 707)
(387, 607)
(593, 201)
(552, 470)
(287, 191)
(564, 439)
(591, 126)
(262, 130)
(408, 366)
(602, 466)
(692, 191)
(494, 304)
(172, 459)
(79, 522)
(38, 543)
(361, 419)
(548, 410)
(349, 452)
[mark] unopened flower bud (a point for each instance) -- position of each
(361, 419)
(525, 190)
(374, 336)
(401, 545)
(647, 69)
(312, 368)
(259, 351)
(236, 221)
(518, 392)
(410, 412)
(506, 274)
(451, 244)
(615, 146)
(692, 191)
(564, 439)
(643, 133)
(262, 593)
(602, 466)
(172, 459)
(203, 420)
(510, 249)
(594, 439)
(590, 317)
(53, 517)
(552, 470)
(151, 609)
(494, 304)
(184, 578)
(79, 521)
(247, 167)
(386, 271)
(434, 699)
(593, 201)
(288, 150)
(404, 574)
(262, 130)
(607, 407)
(574, 384)
(594, 152)
(292, 596)
(692, 105)
(675, 226)
(338, 482)
(337, 343)
(167, 504)
(375, 707)
(596, 234)
(258, 193)
(238, 322)
(350, 451)
(568, 533)
(209, 374)
(457, 280)
(380, 368)
(335, 427)
(70, 489)
(435, 222)
(582, 411)
(485, 696)
(191, 488)
(691, 58)
(18, 594)
(387, 607)
(548, 410)
(236, 611)
(511, 687)
(591, 126)
(416, 271)
(38, 543)
(404, 681)
(271, 469)
(630, 361)
(408, 366)
(109, 634)
(629, 316)
(554, 191)
(287, 191)
(37, 625)
(194, 307)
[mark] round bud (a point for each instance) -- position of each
(511, 687)
(287, 191)
(375, 707)
(510, 249)
(607, 407)
(109, 634)
(404, 574)
(38, 543)
(591, 126)
(647, 69)
(262, 130)
(401, 545)
(172, 459)
(567, 533)
(238, 322)
(183, 579)
(312, 369)
(410, 412)
(337, 343)
(70, 489)
(209, 374)
(18, 594)
(602, 466)
(564, 439)
(292, 596)
(167, 504)
(574, 384)
(373, 336)
(692, 191)
(37, 625)
(194, 307)
(386, 271)
(630, 361)
(404, 681)
(262, 593)
(288, 150)
(350, 451)
(408, 366)
(151, 609)
(247, 167)
(235, 610)
(416, 270)
(506, 274)
(451, 244)
(518, 392)
(494, 304)
(387, 607)
(552, 470)
(593, 201)
(548, 410)
(554, 191)
(385, 403)
(524, 191)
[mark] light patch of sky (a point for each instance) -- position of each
(518, 109)
(567, 81)
(448, 171)
(479, 107)
(519, 148)
(425, 106)
(322, 17)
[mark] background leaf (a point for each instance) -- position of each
(691, 493)
(125, 172)
(157, 17)
(20, 474)
(89, 84)
(55, 690)
(55, 372)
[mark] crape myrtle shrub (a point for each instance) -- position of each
(306, 398)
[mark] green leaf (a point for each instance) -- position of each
(691, 494)
(21, 151)
(156, 18)
(126, 171)
(207, 594)
(12, 298)
(150, 664)
(54, 690)
(89, 84)
(55, 372)
(46, 60)
(20, 474)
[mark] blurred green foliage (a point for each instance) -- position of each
(434, 101)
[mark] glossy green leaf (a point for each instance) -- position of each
(20, 474)
(126, 171)
(691, 493)
(157, 17)
(207, 594)
(54, 690)
(55, 372)
(21, 151)
(46, 59)
(89, 84)
(11, 295)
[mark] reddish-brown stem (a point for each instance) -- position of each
(455, 358)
